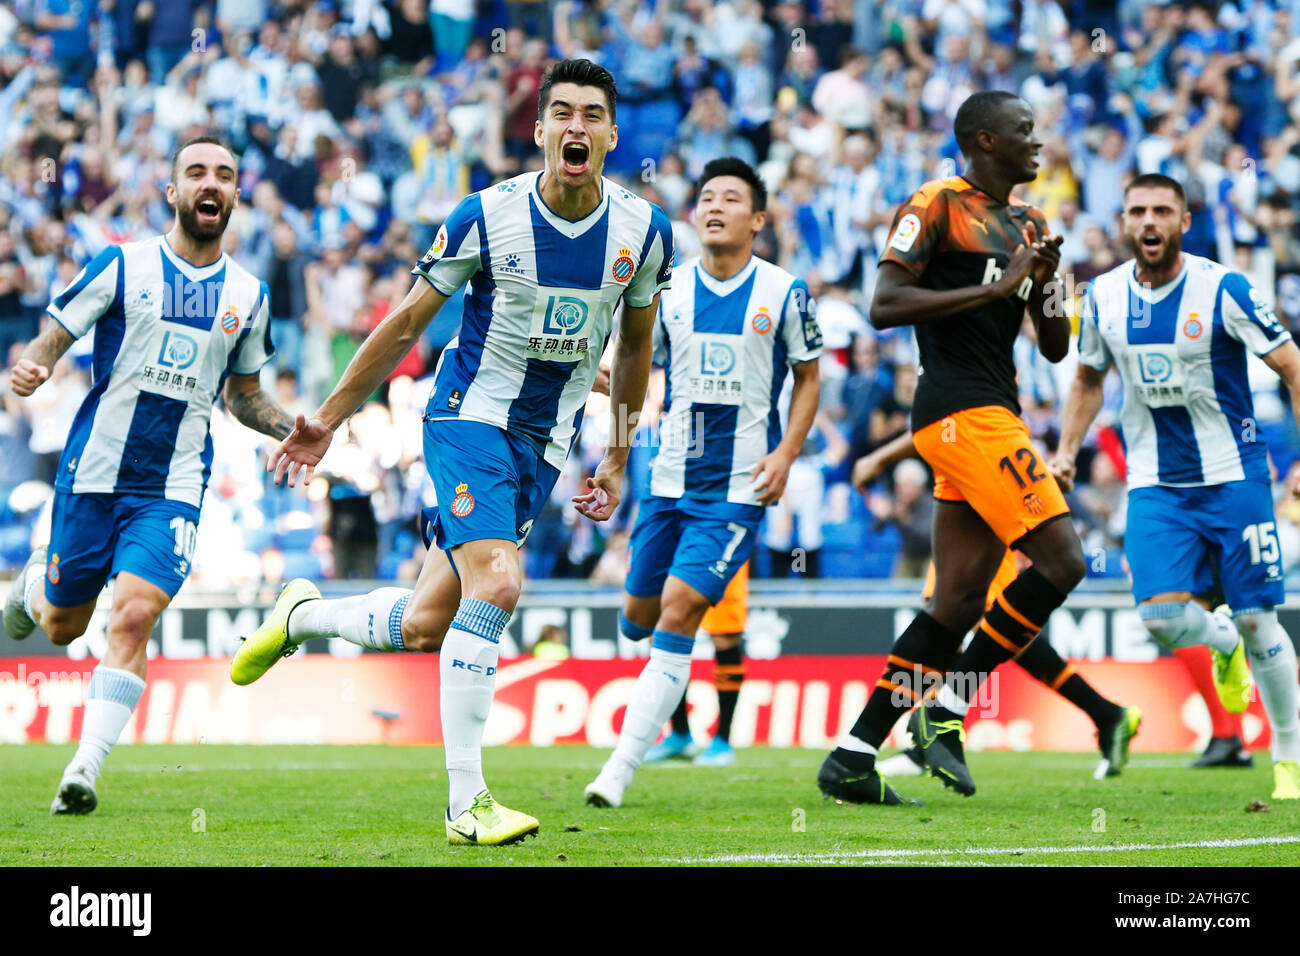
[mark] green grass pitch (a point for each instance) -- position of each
(225, 805)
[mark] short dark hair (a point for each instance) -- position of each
(731, 166)
(1158, 181)
(195, 141)
(978, 112)
(583, 73)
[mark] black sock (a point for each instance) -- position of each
(1041, 660)
(728, 675)
(920, 656)
(1007, 629)
(780, 562)
(680, 726)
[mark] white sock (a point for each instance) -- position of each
(112, 696)
(948, 699)
(1273, 665)
(849, 742)
(35, 575)
(372, 620)
(1184, 625)
(467, 668)
(654, 698)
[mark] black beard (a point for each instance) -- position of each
(201, 231)
(1166, 261)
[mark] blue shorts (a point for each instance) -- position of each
(94, 536)
(703, 543)
(490, 484)
(1177, 537)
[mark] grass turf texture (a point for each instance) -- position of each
(296, 806)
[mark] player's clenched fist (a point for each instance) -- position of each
(27, 377)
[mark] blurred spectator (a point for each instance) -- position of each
(911, 509)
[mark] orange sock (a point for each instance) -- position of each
(1201, 670)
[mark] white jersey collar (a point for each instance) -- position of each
(724, 287)
(190, 269)
(570, 227)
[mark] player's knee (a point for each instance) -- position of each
(681, 616)
(132, 621)
(1166, 622)
(1066, 570)
(423, 632)
(500, 592)
(61, 631)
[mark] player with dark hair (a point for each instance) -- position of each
(177, 324)
(730, 332)
(963, 262)
(1178, 329)
(548, 257)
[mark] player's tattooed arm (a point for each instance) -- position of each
(255, 408)
(39, 358)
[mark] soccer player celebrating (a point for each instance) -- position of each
(548, 258)
(177, 323)
(963, 262)
(1178, 328)
(727, 333)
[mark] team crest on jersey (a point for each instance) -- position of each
(1193, 328)
(762, 321)
(230, 321)
(1033, 503)
(463, 503)
(624, 266)
(52, 572)
(909, 227)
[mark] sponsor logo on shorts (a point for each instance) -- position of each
(52, 572)
(624, 266)
(762, 322)
(463, 503)
(1033, 503)
(230, 321)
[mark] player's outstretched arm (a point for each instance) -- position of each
(39, 357)
(1080, 412)
(627, 386)
(375, 360)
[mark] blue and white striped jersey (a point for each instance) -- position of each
(167, 333)
(726, 347)
(540, 304)
(1181, 351)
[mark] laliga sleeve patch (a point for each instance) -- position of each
(909, 227)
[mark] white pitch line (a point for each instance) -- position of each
(895, 854)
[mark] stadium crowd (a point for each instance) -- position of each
(361, 124)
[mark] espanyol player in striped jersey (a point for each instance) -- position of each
(548, 257)
(176, 324)
(729, 331)
(1179, 328)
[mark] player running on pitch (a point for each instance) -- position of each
(1116, 724)
(177, 323)
(1178, 329)
(964, 261)
(548, 257)
(725, 625)
(727, 334)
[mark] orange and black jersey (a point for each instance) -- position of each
(953, 234)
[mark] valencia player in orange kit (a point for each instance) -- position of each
(964, 261)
